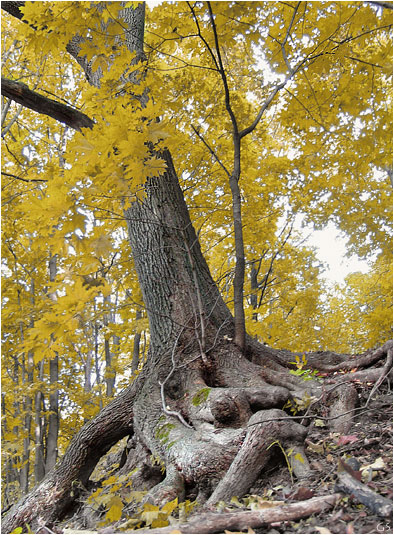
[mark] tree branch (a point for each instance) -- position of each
(24, 179)
(239, 520)
(282, 45)
(13, 8)
(195, 130)
(222, 73)
(19, 92)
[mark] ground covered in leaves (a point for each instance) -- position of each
(370, 442)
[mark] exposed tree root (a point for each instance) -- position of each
(323, 361)
(51, 499)
(233, 409)
(255, 452)
(342, 400)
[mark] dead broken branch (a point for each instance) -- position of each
(363, 494)
(219, 522)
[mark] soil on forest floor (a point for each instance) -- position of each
(369, 441)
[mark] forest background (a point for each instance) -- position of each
(75, 330)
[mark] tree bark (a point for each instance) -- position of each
(172, 271)
(19, 92)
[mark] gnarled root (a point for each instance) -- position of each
(265, 428)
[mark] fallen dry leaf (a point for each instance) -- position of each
(347, 439)
(302, 493)
(321, 529)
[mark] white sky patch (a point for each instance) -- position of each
(153, 3)
(331, 249)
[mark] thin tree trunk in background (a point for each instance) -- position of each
(28, 378)
(254, 286)
(88, 372)
(97, 358)
(115, 341)
(39, 462)
(15, 430)
(87, 386)
(11, 472)
(53, 420)
(109, 379)
(109, 370)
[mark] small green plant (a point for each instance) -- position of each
(201, 396)
(305, 374)
(163, 432)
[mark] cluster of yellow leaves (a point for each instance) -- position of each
(114, 494)
(364, 306)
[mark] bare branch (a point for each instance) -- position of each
(4, 111)
(211, 151)
(19, 92)
(286, 60)
(24, 179)
(202, 37)
(15, 117)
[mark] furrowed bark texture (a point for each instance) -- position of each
(167, 254)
